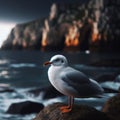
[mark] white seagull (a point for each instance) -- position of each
(70, 82)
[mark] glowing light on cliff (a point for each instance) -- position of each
(95, 34)
(72, 38)
(5, 29)
(44, 38)
(44, 34)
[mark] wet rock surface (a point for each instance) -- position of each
(6, 89)
(117, 79)
(110, 90)
(23, 108)
(112, 107)
(106, 77)
(79, 112)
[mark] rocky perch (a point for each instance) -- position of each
(79, 112)
(112, 107)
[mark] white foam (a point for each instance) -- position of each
(20, 65)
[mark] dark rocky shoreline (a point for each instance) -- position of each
(52, 111)
(49, 93)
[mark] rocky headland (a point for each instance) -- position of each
(91, 25)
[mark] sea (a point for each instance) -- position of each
(23, 71)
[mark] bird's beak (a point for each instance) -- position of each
(47, 63)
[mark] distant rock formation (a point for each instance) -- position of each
(25, 36)
(90, 25)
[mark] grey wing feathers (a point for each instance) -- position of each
(81, 83)
(74, 76)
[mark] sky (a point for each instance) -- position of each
(13, 12)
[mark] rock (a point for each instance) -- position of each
(112, 107)
(25, 36)
(48, 92)
(106, 77)
(110, 90)
(26, 107)
(79, 112)
(106, 63)
(6, 89)
(117, 79)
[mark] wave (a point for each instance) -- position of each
(111, 85)
(20, 65)
(4, 61)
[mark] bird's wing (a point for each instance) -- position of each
(72, 76)
(80, 82)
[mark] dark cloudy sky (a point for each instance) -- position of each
(26, 10)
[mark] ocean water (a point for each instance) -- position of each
(23, 71)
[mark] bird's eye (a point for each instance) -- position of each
(62, 61)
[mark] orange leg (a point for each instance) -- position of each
(66, 109)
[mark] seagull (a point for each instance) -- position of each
(71, 82)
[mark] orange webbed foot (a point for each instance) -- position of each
(65, 109)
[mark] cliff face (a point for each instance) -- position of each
(25, 36)
(91, 25)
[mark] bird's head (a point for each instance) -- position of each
(57, 60)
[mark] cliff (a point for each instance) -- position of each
(25, 36)
(90, 25)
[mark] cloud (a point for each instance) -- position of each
(5, 29)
